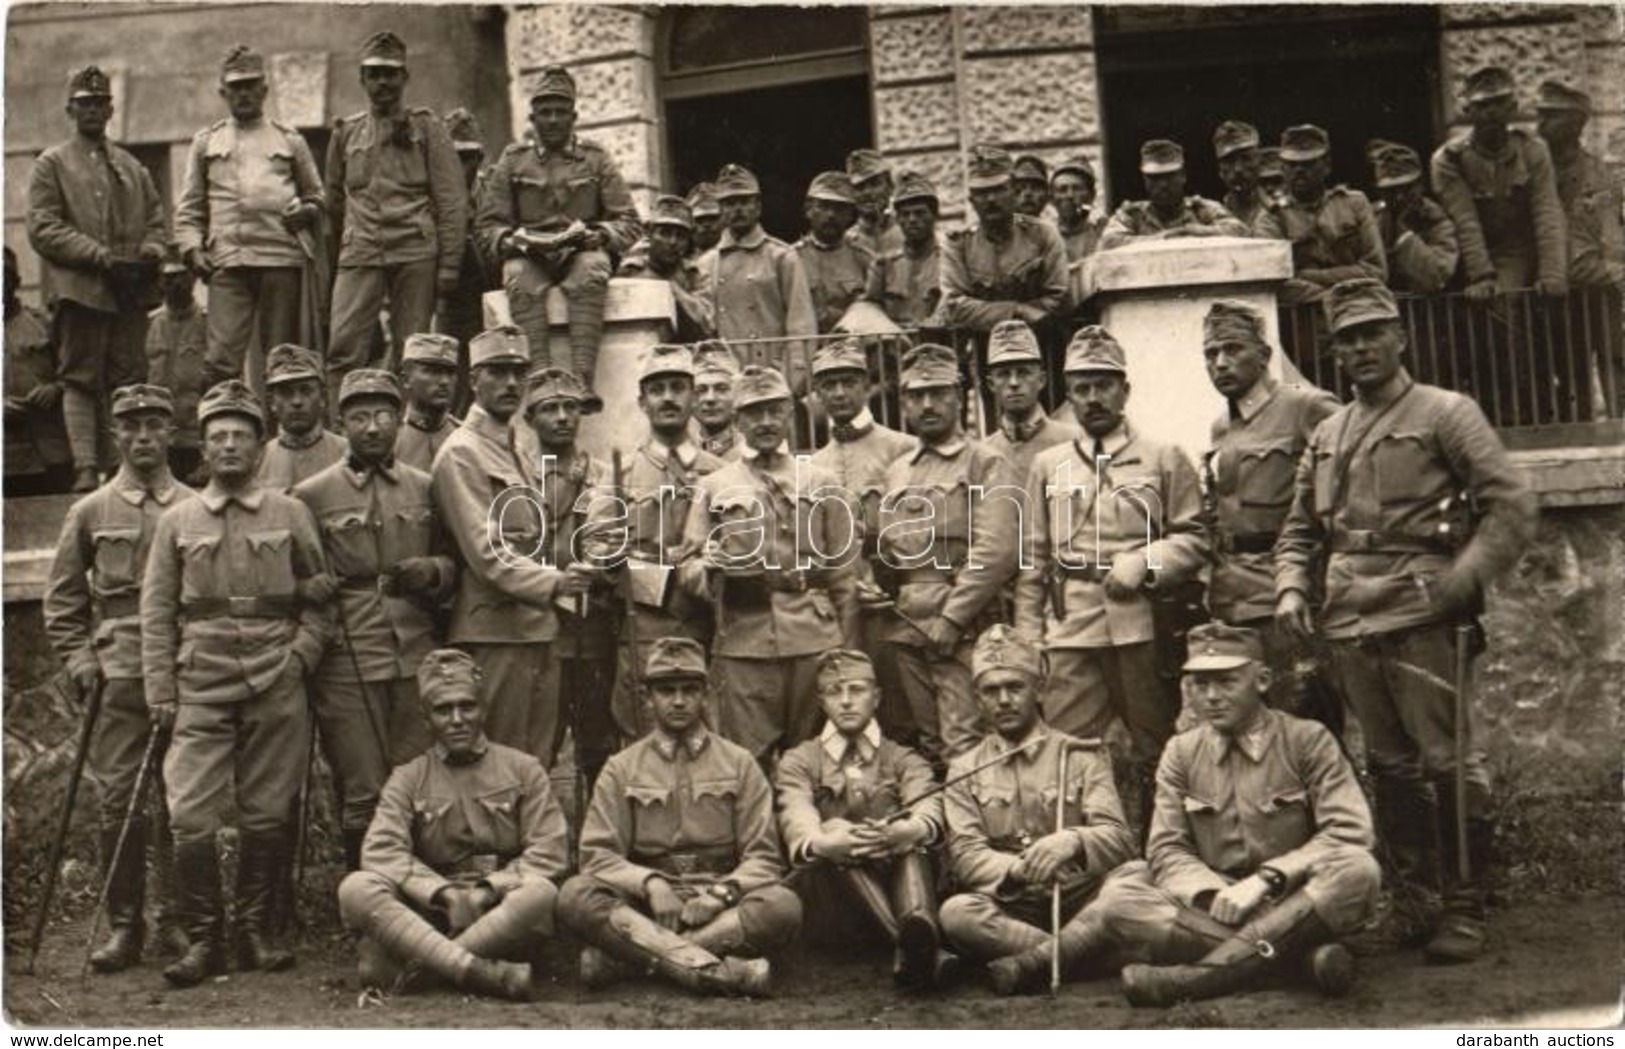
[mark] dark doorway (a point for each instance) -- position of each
(786, 135)
(1358, 72)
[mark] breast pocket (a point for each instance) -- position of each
(115, 561)
(653, 821)
(413, 525)
(1202, 817)
(535, 199)
(1287, 818)
(739, 521)
(1000, 821)
(348, 541)
(1132, 500)
(499, 809)
(358, 164)
(428, 812)
(270, 555)
(711, 812)
(1264, 487)
(581, 197)
(1403, 465)
(198, 576)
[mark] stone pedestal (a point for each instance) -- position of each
(1153, 297)
(637, 315)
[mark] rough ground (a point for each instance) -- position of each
(1551, 962)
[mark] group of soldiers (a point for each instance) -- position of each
(871, 682)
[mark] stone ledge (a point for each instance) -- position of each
(1191, 262)
(630, 301)
(1574, 476)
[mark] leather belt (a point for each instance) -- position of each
(759, 589)
(927, 575)
(362, 582)
(1248, 542)
(245, 607)
(702, 861)
(1087, 573)
(119, 606)
(1361, 541)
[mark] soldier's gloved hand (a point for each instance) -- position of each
(1552, 287)
(943, 634)
(44, 396)
(319, 589)
(1454, 593)
(664, 904)
(413, 575)
(1235, 902)
(1041, 859)
(701, 909)
(1481, 290)
(1127, 575)
(836, 843)
(162, 715)
(1292, 614)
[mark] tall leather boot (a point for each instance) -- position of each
(197, 875)
(921, 962)
(1458, 934)
(502, 932)
(586, 316)
(169, 936)
(79, 419)
(407, 936)
(1191, 936)
(259, 864)
(1255, 951)
(723, 935)
(1083, 939)
(126, 891)
(352, 847)
(646, 945)
(1408, 821)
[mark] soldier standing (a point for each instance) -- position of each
(177, 348)
(385, 547)
(769, 546)
(1589, 194)
(1029, 177)
(877, 230)
(465, 310)
(429, 368)
(398, 207)
(304, 446)
(235, 576)
(1235, 145)
(716, 370)
(1271, 174)
(680, 865)
(665, 253)
(842, 813)
(837, 268)
(1417, 236)
(92, 612)
(95, 219)
(37, 458)
(1016, 375)
(906, 281)
(702, 203)
(1010, 265)
(946, 549)
(1385, 501)
(459, 868)
(1072, 187)
(1167, 212)
(556, 212)
(1332, 230)
(247, 218)
(1497, 185)
(1005, 851)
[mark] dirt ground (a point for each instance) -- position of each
(1550, 963)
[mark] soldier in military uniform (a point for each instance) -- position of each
(398, 207)
(476, 275)
(1235, 146)
(92, 618)
(389, 554)
(770, 543)
(1029, 178)
(946, 549)
(877, 230)
(236, 579)
(459, 870)
(680, 864)
(95, 219)
(1005, 852)
(177, 349)
(1332, 230)
(484, 483)
(1271, 174)
(37, 459)
(1261, 838)
(665, 253)
(1167, 212)
(1407, 502)
(304, 446)
(702, 204)
(837, 268)
(1072, 188)
(1115, 521)
(716, 370)
(556, 212)
(1417, 236)
(1016, 375)
(852, 815)
(1008, 266)
(429, 375)
(1247, 475)
(1589, 193)
(1498, 186)
(247, 219)
(906, 282)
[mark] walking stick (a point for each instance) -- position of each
(300, 834)
(53, 868)
(153, 735)
(1464, 658)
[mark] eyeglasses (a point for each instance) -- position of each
(362, 417)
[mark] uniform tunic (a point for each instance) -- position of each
(758, 289)
(984, 280)
(416, 442)
(694, 317)
(1420, 260)
(1021, 442)
(239, 178)
(837, 275)
(1136, 219)
(906, 285)
(821, 780)
(1590, 196)
(288, 460)
(536, 188)
(176, 347)
(856, 457)
(881, 237)
(1083, 241)
(1333, 239)
(35, 440)
(1248, 209)
(1506, 209)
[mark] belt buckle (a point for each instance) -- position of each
(240, 605)
(685, 863)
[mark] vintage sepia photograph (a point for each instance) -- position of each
(769, 517)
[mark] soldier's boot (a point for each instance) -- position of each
(1191, 937)
(259, 865)
(921, 961)
(405, 935)
(1408, 823)
(1251, 955)
(586, 317)
(644, 943)
(1330, 967)
(1458, 934)
(126, 882)
(79, 419)
(169, 935)
(352, 847)
(376, 967)
(723, 935)
(197, 877)
(501, 932)
(600, 969)
(1083, 939)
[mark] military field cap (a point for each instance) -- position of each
(1001, 648)
(844, 355)
(501, 345)
(1160, 156)
(715, 358)
(446, 672)
(865, 164)
(702, 200)
(1028, 168)
(1220, 646)
(384, 49)
(671, 211)
(840, 665)
(1359, 301)
(241, 63)
(667, 359)
(911, 185)
(1075, 165)
(142, 397)
(988, 167)
(431, 348)
(674, 657)
(759, 383)
(1230, 321)
(1489, 82)
(553, 384)
(232, 397)
(1397, 166)
(1374, 148)
(1233, 136)
(1305, 142)
(172, 260)
(89, 82)
(832, 186)
(1553, 95)
(554, 82)
(1269, 161)
(464, 129)
(929, 364)
(1012, 342)
(735, 180)
(289, 363)
(1093, 349)
(369, 382)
